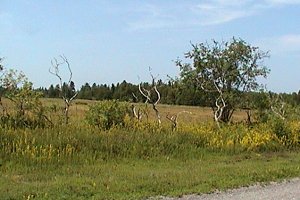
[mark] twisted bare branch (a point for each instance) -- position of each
(147, 93)
(55, 71)
(174, 118)
(278, 106)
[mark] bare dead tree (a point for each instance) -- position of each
(174, 119)
(54, 70)
(150, 97)
(277, 105)
(137, 113)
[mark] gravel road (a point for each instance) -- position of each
(286, 190)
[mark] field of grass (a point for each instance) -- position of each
(140, 178)
(142, 160)
(193, 115)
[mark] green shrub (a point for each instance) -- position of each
(26, 109)
(281, 129)
(106, 114)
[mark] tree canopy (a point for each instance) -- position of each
(225, 70)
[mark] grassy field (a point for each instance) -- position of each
(142, 160)
(140, 178)
(194, 115)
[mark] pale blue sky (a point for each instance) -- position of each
(107, 41)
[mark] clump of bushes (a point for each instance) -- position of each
(106, 114)
(25, 109)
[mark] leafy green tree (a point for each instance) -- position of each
(68, 90)
(85, 92)
(102, 92)
(123, 91)
(260, 103)
(51, 92)
(224, 70)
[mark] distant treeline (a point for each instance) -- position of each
(171, 93)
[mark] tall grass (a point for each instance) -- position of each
(138, 159)
(80, 143)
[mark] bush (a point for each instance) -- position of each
(25, 107)
(106, 114)
(281, 129)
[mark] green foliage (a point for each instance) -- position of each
(80, 143)
(224, 69)
(68, 90)
(106, 114)
(28, 110)
(24, 98)
(51, 92)
(172, 92)
(126, 151)
(281, 128)
(143, 158)
(260, 103)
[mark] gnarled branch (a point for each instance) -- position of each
(174, 118)
(136, 113)
(150, 98)
(56, 64)
(278, 106)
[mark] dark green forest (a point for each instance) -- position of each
(172, 92)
